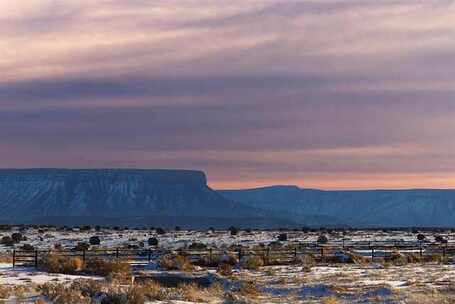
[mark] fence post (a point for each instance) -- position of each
(322, 254)
(83, 255)
(420, 249)
(240, 254)
(295, 252)
(36, 258)
(14, 258)
(116, 253)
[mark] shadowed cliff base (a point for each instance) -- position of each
(167, 222)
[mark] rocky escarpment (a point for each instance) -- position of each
(29, 194)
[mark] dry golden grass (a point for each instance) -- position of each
(60, 264)
(252, 262)
(191, 292)
(76, 264)
(329, 300)
(154, 291)
(60, 294)
(103, 267)
(176, 262)
(224, 270)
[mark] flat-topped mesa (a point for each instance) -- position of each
(155, 176)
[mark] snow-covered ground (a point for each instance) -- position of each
(45, 239)
(346, 283)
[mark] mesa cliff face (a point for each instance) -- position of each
(37, 193)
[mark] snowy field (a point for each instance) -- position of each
(47, 238)
(371, 282)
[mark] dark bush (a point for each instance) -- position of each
(322, 239)
(439, 239)
(197, 246)
(160, 231)
(16, 237)
(178, 228)
(283, 237)
(94, 240)
(153, 241)
(420, 237)
(115, 299)
(27, 247)
(7, 241)
(234, 230)
(82, 247)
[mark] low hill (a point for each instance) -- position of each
(369, 208)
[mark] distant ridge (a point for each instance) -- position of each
(125, 196)
(356, 208)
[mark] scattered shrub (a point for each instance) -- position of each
(154, 291)
(27, 247)
(76, 264)
(153, 241)
(160, 231)
(420, 237)
(94, 240)
(224, 269)
(60, 264)
(252, 262)
(16, 237)
(59, 294)
(230, 259)
(283, 237)
(105, 268)
(439, 239)
(191, 292)
(233, 230)
(307, 261)
(7, 241)
(82, 247)
(398, 259)
(197, 246)
(413, 257)
(249, 289)
(136, 295)
(176, 262)
(116, 298)
(322, 239)
(330, 300)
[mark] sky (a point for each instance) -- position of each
(331, 94)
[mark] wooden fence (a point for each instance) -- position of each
(320, 252)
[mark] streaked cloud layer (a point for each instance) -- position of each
(331, 94)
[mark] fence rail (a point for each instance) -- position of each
(321, 252)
